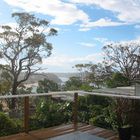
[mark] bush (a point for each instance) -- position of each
(1, 106)
(86, 87)
(50, 113)
(7, 125)
(96, 110)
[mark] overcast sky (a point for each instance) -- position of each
(84, 26)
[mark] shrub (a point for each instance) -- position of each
(50, 113)
(7, 125)
(1, 106)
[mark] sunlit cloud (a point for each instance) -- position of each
(103, 22)
(125, 10)
(86, 44)
(67, 13)
(66, 60)
(63, 13)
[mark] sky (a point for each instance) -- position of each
(84, 27)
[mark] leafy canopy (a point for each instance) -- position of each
(23, 46)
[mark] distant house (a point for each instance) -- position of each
(119, 90)
(33, 86)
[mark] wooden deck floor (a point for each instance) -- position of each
(43, 134)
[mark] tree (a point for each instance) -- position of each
(74, 83)
(24, 46)
(124, 57)
(97, 73)
(5, 82)
(83, 70)
(117, 80)
(47, 85)
(5, 86)
(93, 73)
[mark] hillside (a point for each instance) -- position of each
(66, 75)
(40, 76)
(56, 77)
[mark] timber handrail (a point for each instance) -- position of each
(72, 92)
(75, 102)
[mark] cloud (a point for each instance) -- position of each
(85, 44)
(62, 13)
(103, 22)
(62, 61)
(67, 12)
(125, 10)
(103, 40)
(84, 29)
(11, 24)
(106, 41)
(134, 41)
(137, 26)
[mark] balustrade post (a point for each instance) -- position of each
(75, 111)
(26, 114)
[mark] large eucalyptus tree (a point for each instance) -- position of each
(125, 58)
(23, 46)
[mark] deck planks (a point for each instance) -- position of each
(43, 134)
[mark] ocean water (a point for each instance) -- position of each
(64, 79)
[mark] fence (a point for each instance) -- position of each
(73, 94)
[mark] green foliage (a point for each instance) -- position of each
(83, 109)
(5, 82)
(50, 113)
(119, 113)
(98, 100)
(1, 106)
(7, 125)
(74, 83)
(24, 46)
(24, 90)
(136, 118)
(124, 57)
(93, 73)
(104, 111)
(86, 87)
(98, 117)
(117, 80)
(46, 85)
(92, 109)
(111, 117)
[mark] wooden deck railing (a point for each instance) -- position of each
(75, 103)
(26, 113)
(26, 98)
(75, 111)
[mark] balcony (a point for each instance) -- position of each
(64, 131)
(72, 130)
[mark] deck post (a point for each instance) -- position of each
(75, 111)
(26, 114)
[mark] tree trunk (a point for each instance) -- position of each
(14, 100)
